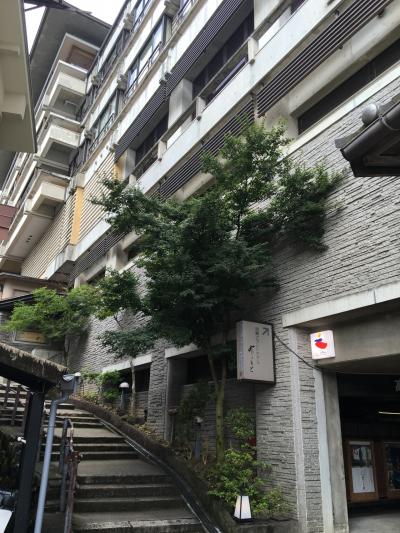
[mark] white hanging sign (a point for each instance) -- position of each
(322, 345)
(255, 352)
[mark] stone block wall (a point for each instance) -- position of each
(363, 251)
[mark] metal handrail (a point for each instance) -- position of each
(181, 15)
(17, 402)
(68, 468)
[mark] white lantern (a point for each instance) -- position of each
(242, 509)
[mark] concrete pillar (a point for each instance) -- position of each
(298, 432)
(279, 112)
(125, 165)
(176, 378)
(335, 450)
(180, 100)
(116, 257)
(323, 453)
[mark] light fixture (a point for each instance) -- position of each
(242, 509)
(388, 413)
(124, 386)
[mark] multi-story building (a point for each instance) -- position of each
(35, 181)
(168, 82)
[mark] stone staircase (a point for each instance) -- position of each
(117, 490)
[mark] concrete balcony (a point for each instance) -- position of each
(34, 215)
(47, 194)
(66, 88)
(58, 140)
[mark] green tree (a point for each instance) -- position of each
(58, 316)
(116, 292)
(202, 255)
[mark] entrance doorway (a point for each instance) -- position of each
(370, 422)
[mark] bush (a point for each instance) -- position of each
(110, 396)
(192, 404)
(106, 384)
(241, 422)
(92, 397)
(237, 474)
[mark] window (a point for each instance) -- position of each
(296, 4)
(113, 55)
(103, 123)
(146, 57)
(139, 10)
(152, 139)
(80, 58)
(222, 57)
(142, 380)
(97, 277)
(352, 85)
(106, 115)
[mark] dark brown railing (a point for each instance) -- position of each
(68, 469)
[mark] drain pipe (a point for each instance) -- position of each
(68, 386)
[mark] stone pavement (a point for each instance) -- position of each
(386, 521)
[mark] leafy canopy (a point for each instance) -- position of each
(54, 315)
(200, 256)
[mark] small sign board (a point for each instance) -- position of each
(322, 345)
(32, 337)
(255, 352)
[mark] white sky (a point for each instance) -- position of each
(103, 9)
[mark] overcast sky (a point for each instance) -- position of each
(103, 9)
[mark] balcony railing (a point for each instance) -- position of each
(110, 62)
(101, 134)
(131, 89)
(77, 161)
(147, 160)
(182, 13)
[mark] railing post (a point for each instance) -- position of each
(27, 402)
(6, 394)
(74, 460)
(15, 405)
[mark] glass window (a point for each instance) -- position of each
(138, 10)
(106, 115)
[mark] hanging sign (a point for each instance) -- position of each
(255, 352)
(322, 345)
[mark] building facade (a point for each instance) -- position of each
(166, 85)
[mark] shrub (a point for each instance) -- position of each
(192, 404)
(237, 474)
(241, 422)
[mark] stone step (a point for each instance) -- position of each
(97, 439)
(110, 479)
(104, 505)
(62, 406)
(96, 447)
(126, 490)
(98, 455)
(179, 525)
